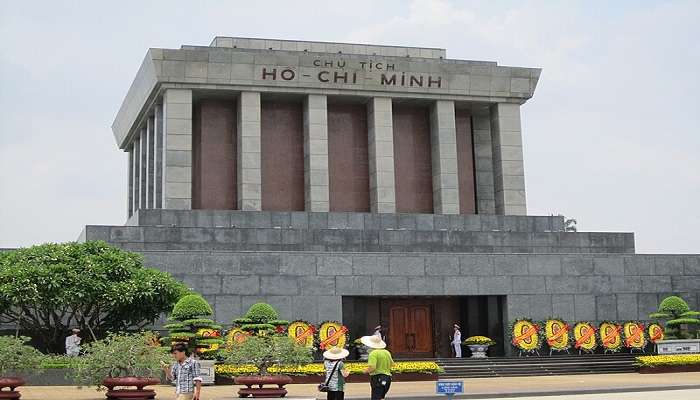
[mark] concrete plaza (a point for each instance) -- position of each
(613, 386)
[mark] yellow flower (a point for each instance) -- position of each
(676, 359)
(425, 367)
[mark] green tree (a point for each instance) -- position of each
(192, 326)
(47, 289)
(269, 350)
(260, 318)
(676, 312)
(118, 355)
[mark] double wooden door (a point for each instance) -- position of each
(410, 332)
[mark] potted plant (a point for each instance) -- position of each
(263, 352)
(479, 345)
(16, 356)
(202, 335)
(677, 316)
(122, 360)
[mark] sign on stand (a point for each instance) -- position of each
(449, 388)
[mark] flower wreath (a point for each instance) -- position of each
(655, 332)
(557, 334)
(332, 334)
(635, 337)
(236, 336)
(525, 335)
(610, 336)
(585, 337)
(302, 332)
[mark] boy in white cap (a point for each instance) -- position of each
(457, 341)
(379, 366)
(335, 372)
(73, 343)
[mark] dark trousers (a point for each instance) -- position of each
(380, 386)
(335, 395)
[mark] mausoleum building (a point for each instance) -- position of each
(361, 183)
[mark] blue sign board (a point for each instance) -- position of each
(449, 387)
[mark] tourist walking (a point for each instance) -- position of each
(73, 343)
(379, 366)
(185, 373)
(457, 341)
(335, 372)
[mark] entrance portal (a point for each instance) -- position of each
(410, 328)
(421, 326)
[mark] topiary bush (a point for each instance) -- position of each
(676, 312)
(190, 307)
(189, 325)
(261, 318)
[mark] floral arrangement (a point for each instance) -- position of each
(655, 332)
(190, 325)
(557, 334)
(676, 359)
(526, 335)
(332, 334)
(479, 341)
(634, 335)
(302, 332)
(610, 336)
(584, 337)
(423, 367)
(235, 336)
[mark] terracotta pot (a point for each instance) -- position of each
(10, 382)
(130, 394)
(260, 381)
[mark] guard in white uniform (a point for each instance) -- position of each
(457, 341)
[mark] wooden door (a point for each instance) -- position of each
(410, 329)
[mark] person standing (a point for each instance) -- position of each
(379, 366)
(335, 372)
(457, 341)
(73, 343)
(185, 373)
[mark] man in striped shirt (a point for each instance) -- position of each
(185, 372)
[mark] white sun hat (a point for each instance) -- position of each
(373, 342)
(335, 353)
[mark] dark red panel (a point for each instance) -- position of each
(348, 162)
(282, 141)
(412, 164)
(465, 162)
(214, 155)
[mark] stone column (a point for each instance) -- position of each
(316, 195)
(136, 168)
(382, 191)
(249, 162)
(158, 157)
(143, 147)
(509, 173)
(130, 183)
(150, 167)
(483, 163)
(177, 163)
(443, 149)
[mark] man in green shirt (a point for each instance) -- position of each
(379, 366)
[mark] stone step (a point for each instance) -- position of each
(345, 220)
(144, 238)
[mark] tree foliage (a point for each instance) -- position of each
(269, 350)
(47, 289)
(676, 312)
(260, 318)
(201, 335)
(134, 354)
(17, 356)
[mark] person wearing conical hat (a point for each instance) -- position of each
(379, 366)
(335, 372)
(457, 341)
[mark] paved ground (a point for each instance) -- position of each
(645, 386)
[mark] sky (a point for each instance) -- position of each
(611, 135)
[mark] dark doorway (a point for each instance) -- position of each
(421, 326)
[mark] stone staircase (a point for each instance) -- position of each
(536, 366)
